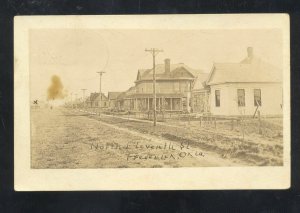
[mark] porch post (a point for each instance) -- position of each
(136, 104)
(148, 107)
(205, 101)
(171, 100)
(159, 103)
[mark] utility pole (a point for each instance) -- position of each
(83, 96)
(100, 74)
(154, 52)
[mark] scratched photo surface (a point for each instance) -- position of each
(128, 98)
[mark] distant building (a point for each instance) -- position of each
(124, 101)
(241, 88)
(120, 103)
(174, 83)
(94, 100)
(112, 99)
(200, 95)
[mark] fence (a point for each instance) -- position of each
(239, 124)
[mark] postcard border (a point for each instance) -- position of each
(26, 179)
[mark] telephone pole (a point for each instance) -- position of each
(83, 96)
(154, 52)
(100, 74)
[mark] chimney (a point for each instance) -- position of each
(167, 65)
(250, 52)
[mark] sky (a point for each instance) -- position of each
(76, 55)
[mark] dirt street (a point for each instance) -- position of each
(63, 138)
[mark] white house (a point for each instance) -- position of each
(241, 88)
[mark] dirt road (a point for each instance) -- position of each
(62, 138)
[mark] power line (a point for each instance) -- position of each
(100, 74)
(154, 52)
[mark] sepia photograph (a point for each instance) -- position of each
(107, 98)
(152, 98)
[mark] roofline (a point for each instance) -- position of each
(200, 90)
(150, 95)
(210, 74)
(183, 65)
(114, 92)
(243, 82)
(164, 79)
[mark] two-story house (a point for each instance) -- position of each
(174, 83)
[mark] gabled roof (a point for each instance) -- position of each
(248, 70)
(147, 74)
(95, 96)
(121, 96)
(131, 90)
(141, 73)
(128, 92)
(113, 95)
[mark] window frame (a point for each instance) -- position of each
(244, 95)
(254, 102)
(219, 101)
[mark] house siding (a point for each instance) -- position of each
(271, 98)
(175, 92)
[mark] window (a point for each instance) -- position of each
(257, 97)
(217, 96)
(241, 97)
